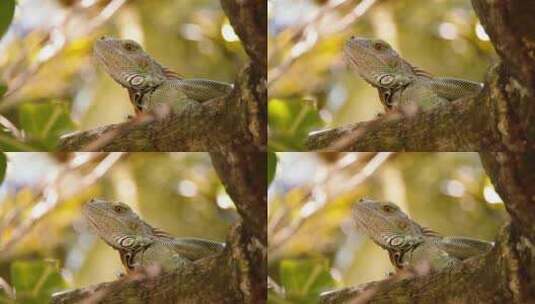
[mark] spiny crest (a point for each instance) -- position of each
(170, 74)
(428, 232)
(160, 233)
(418, 71)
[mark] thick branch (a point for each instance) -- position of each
(244, 177)
(192, 129)
(459, 126)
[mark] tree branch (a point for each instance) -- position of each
(244, 178)
(191, 129)
(459, 126)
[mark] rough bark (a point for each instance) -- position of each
(233, 130)
(239, 120)
(498, 119)
(458, 126)
(504, 275)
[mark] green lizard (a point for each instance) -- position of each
(138, 243)
(148, 83)
(398, 82)
(409, 244)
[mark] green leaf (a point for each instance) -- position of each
(272, 166)
(3, 166)
(3, 89)
(7, 9)
(36, 281)
(44, 123)
(290, 121)
(304, 280)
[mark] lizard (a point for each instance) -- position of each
(138, 243)
(398, 82)
(149, 83)
(409, 244)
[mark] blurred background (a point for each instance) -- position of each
(310, 86)
(50, 78)
(44, 239)
(313, 243)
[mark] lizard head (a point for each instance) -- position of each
(375, 60)
(127, 63)
(386, 224)
(114, 222)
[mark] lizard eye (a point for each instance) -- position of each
(388, 209)
(379, 46)
(130, 46)
(119, 209)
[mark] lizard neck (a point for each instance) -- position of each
(139, 99)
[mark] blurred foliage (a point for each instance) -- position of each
(310, 199)
(303, 281)
(40, 217)
(7, 10)
(305, 41)
(35, 281)
(45, 122)
(289, 123)
(47, 62)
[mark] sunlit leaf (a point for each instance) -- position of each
(304, 280)
(35, 281)
(44, 123)
(7, 9)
